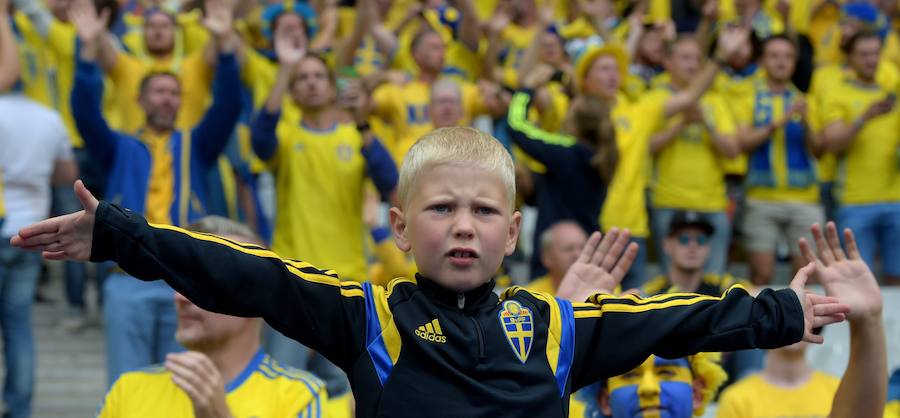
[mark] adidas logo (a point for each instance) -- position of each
(432, 332)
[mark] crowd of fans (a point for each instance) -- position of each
(704, 131)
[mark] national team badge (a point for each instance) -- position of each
(518, 325)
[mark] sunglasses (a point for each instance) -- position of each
(685, 239)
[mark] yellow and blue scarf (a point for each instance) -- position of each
(799, 166)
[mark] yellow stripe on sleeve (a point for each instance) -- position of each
(602, 303)
(294, 267)
(389, 332)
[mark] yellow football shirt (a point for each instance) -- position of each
(405, 109)
(824, 78)
(319, 176)
(161, 187)
(868, 168)
(892, 409)
(263, 389)
(744, 111)
(542, 284)
(33, 61)
(753, 397)
(688, 171)
(193, 72)
(625, 205)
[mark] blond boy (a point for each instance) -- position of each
(442, 344)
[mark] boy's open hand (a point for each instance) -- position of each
(66, 237)
(844, 275)
(818, 310)
(600, 267)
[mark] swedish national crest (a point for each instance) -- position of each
(518, 326)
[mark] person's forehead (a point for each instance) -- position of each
(458, 179)
(659, 361)
(164, 81)
(569, 233)
(158, 18)
(309, 65)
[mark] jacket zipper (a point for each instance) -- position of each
(479, 333)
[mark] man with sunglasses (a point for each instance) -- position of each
(688, 247)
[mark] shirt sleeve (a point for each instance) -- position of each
(302, 302)
(614, 335)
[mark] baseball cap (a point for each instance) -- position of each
(690, 219)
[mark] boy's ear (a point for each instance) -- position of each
(398, 228)
(514, 227)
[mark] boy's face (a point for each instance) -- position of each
(458, 225)
(658, 388)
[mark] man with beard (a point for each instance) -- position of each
(159, 172)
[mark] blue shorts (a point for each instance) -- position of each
(877, 231)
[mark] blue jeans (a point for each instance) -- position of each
(637, 274)
(19, 273)
(140, 323)
(877, 230)
(287, 351)
(719, 242)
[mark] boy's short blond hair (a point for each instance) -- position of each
(460, 146)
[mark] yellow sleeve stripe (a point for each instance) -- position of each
(297, 268)
(389, 332)
(554, 332)
(395, 282)
(633, 304)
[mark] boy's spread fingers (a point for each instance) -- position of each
(814, 298)
(589, 248)
(824, 251)
(615, 252)
(834, 242)
(57, 255)
(807, 250)
(852, 249)
(604, 246)
(826, 309)
(813, 338)
(821, 321)
(624, 264)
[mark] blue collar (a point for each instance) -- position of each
(251, 367)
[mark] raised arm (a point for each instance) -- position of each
(290, 51)
(302, 302)
(87, 90)
(729, 41)
(39, 16)
(95, 42)
(548, 148)
(846, 276)
(676, 325)
(469, 26)
(212, 134)
(9, 53)
(346, 50)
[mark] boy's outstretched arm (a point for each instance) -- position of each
(219, 275)
(615, 334)
(863, 389)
